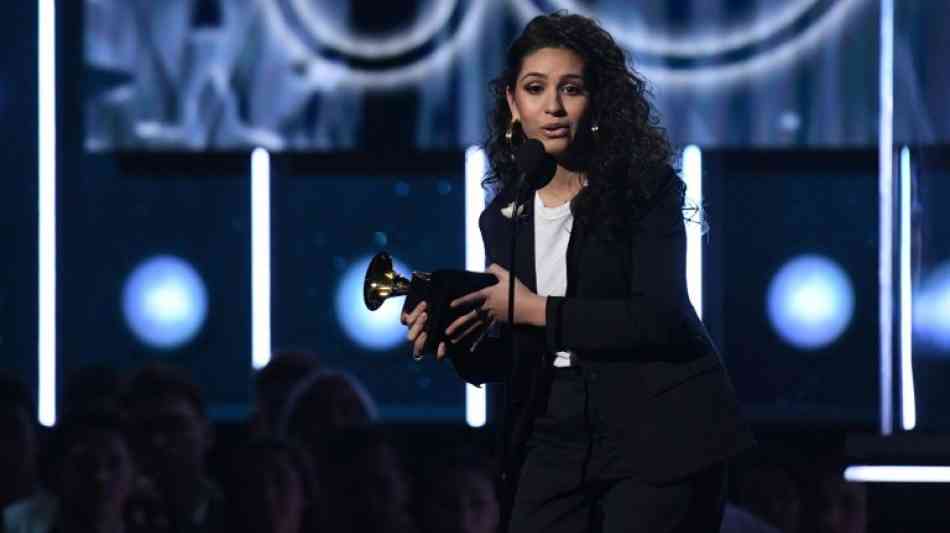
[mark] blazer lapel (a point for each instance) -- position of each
(525, 253)
(524, 264)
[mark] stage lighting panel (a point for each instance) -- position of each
(930, 278)
(154, 265)
(790, 282)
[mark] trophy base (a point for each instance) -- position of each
(438, 289)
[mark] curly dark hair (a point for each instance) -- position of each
(629, 146)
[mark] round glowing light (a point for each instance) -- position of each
(324, 74)
(378, 330)
(932, 308)
(436, 17)
(164, 302)
(810, 302)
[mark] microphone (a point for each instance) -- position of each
(536, 166)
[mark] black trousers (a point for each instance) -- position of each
(570, 481)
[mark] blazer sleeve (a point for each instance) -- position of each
(490, 362)
(658, 307)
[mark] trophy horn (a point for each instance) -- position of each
(382, 282)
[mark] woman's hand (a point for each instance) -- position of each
(468, 324)
(529, 307)
(415, 321)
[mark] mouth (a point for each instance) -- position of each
(556, 131)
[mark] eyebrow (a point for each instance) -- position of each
(529, 74)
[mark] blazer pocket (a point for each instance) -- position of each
(666, 375)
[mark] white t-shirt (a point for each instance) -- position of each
(552, 232)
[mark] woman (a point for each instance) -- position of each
(621, 415)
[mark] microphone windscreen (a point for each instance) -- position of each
(537, 166)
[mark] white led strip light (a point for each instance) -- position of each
(260, 259)
(908, 395)
(898, 474)
(886, 206)
(693, 175)
(46, 24)
(475, 165)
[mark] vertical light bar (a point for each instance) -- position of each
(693, 174)
(260, 258)
(475, 165)
(908, 395)
(46, 142)
(886, 217)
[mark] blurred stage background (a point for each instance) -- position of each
(364, 112)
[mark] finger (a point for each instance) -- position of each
(476, 296)
(496, 270)
(440, 353)
(419, 344)
(411, 317)
(414, 315)
(417, 327)
(468, 331)
(481, 336)
(460, 321)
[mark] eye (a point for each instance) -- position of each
(534, 88)
(572, 90)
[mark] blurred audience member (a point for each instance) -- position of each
(18, 441)
(320, 406)
(91, 388)
(366, 486)
(88, 470)
(842, 505)
(274, 383)
(455, 493)
(170, 435)
(737, 520)
(270, 488)
(770, 493)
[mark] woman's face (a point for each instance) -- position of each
(549, 97)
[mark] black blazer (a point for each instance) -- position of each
(626, 315)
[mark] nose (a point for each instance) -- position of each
(553, 105)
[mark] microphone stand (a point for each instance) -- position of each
(533, 163)
(520, 188)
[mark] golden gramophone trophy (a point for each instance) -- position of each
(437, 289)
